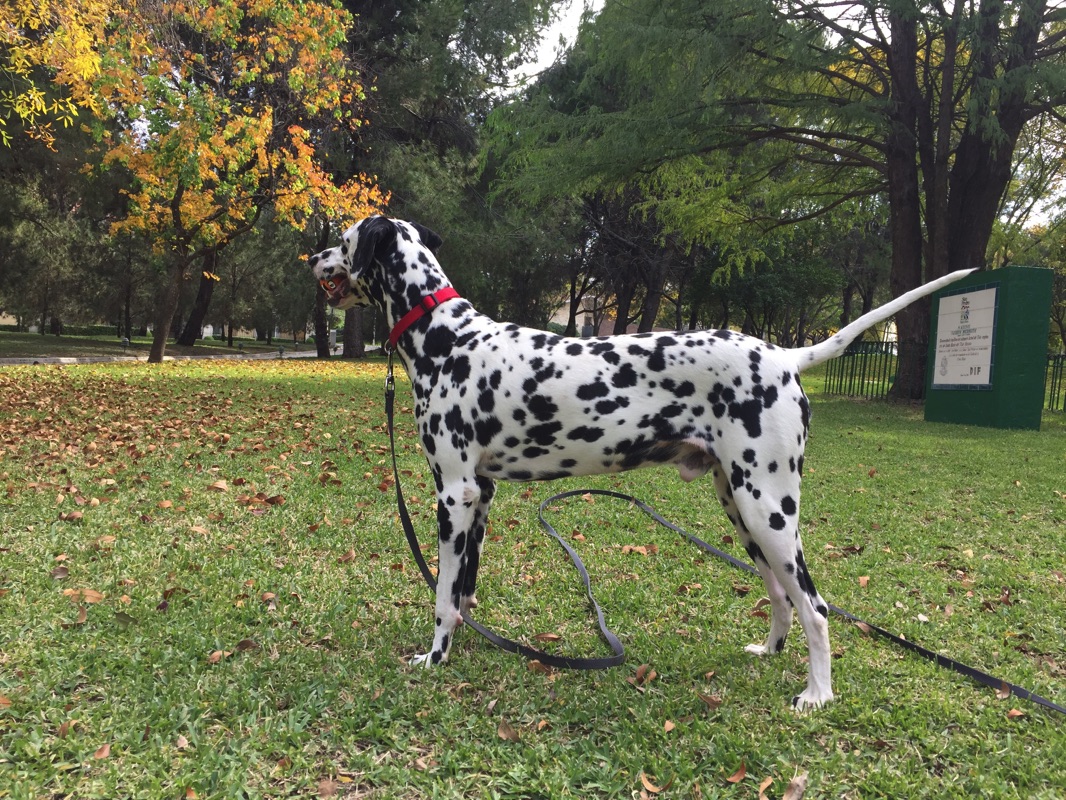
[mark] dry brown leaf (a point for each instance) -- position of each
(104, 751)
(347, 557)
(219, 486)
(738, 776)
(547, 637)
(247, 644)
(796, 788)
(506, 732)
(327, 787)
(668, 726)
(1015, 713)
(763, 787)
(1003, 692)
(864, 581)
(712, 701)
(5, 702)
(651, 787)
(190, 794)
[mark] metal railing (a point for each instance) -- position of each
(868, 369)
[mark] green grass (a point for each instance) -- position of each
(35, 345)
(244, 648)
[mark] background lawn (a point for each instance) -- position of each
(204, 592)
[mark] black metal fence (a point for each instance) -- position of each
(1055, 383)
(868, 369)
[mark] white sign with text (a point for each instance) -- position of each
(964, 339)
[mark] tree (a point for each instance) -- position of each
(222, 109)
(50, 59)
(836, 100)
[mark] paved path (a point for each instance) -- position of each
(305, 353)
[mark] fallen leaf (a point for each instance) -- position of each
(5, 702)
(506, 732)
(651, 787)
(327, 787)
(547, 637)
(796, 788)
(763, 787)
(738, 776)
(104, 751)
(219, 486)
(864, 581)
(181, 742)
(668, 726)
(712, 701)
(246, 644)
(1003, 692)
(1015, 713)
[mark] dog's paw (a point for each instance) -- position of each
(808, 699)
(427, 661)
(468, 603)
(758, 650)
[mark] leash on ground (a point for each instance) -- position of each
(567, 662)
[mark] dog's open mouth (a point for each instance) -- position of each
(336, 289)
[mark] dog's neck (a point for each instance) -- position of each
(396, 295)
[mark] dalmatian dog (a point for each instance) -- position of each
(495, 401)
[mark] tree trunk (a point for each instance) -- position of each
(354, 346)
(195, 325)
(321, 325)
(164, 316)
(905, 224)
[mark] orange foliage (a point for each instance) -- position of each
(223, 108)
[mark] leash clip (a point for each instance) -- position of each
(390, 381)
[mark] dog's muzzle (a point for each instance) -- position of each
(336, 289)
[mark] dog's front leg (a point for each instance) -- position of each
(475, 542)
(455, 522)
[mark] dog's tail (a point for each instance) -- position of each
(807, 357)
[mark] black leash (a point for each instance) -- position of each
(565, 662)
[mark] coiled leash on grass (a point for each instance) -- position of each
(567, 662)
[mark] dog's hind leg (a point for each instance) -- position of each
(476, 541)
(772, 524)
(457, 505)
(780, 604)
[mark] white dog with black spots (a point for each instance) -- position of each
(497, 401)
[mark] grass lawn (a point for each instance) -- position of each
(204, 592)
(34, 345)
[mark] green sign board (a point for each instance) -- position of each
(988, 349)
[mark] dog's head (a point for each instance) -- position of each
(343, 271)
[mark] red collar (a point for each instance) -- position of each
(425, 305)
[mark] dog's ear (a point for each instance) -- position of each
(428, 237)
(374, 233)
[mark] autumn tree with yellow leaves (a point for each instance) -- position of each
(50, 59)
(223, 109)
(215, 110)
